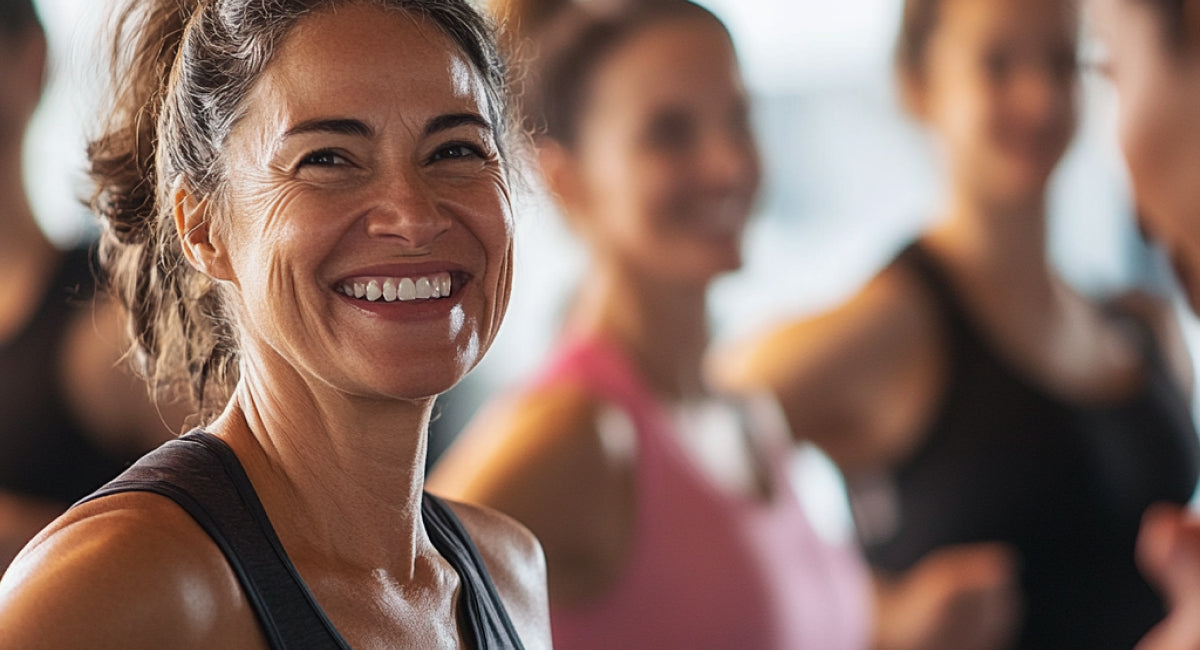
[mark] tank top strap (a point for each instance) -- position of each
(201, 474)
(963, 336)
(483, 612)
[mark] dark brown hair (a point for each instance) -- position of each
(1171, 17)
(559, 45)
(17, 18)
(181, 70)
(917, 24)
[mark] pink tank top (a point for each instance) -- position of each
(707, 568)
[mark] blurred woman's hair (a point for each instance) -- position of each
(917, 24)
(17, 18)
(181, 70)
(1171, 13)
(557, 46)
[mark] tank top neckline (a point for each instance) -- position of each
(664, 437)
(262, 565)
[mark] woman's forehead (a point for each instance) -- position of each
(367, 61)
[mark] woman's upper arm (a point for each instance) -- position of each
(128, 571)
(857, 381)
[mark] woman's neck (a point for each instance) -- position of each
(332, 466)
(998, 250)
(661, 325)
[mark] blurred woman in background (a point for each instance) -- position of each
(71, 417)
(967, 392)
(665, 511)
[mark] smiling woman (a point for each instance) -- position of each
(315, 241)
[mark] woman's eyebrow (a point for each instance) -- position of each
(452, 120)
(340, 126)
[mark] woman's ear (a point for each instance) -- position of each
(201, 243)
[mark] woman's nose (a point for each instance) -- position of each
(409, 212)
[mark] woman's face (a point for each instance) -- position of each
(1158, 87)
(366, 221)
(998, 88)
(664, 167)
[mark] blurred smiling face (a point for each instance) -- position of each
(665, 166)
(1158, 88)
(365, 222)
(998, 85)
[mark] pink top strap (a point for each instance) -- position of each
(706, 568)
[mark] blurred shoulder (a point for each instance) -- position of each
(530, 436)
(131, 570)
(892, 318)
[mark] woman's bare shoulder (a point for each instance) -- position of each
(554, 460)
(131, 570)
(874, 328)
(536, 436)
(517, 565)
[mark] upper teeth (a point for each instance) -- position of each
(393, 289)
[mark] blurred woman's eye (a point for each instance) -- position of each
(671, 131)
(998, 65)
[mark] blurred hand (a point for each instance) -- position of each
(957, 598)
(1168, 552)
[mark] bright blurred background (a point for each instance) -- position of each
(849, 181)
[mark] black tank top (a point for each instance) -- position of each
(44, 450)
(201, 473)
(1065, 484)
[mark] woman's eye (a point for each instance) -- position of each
(323, 159)
(998, 65)
(673, 131)
(457, 151)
